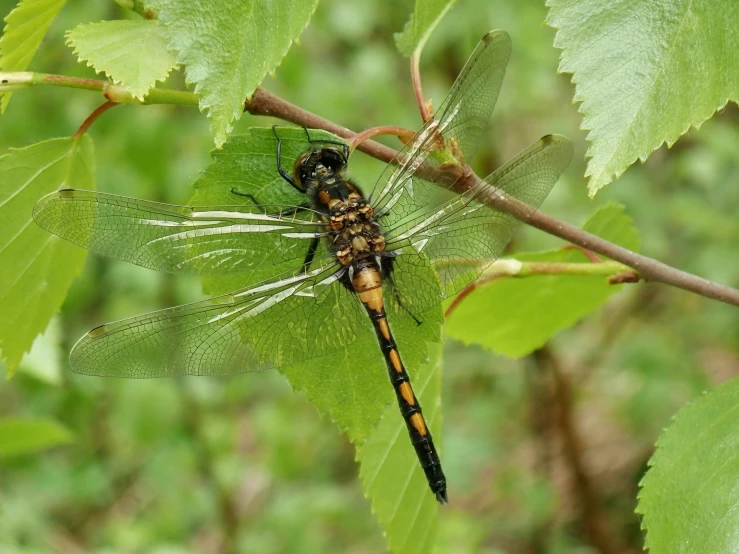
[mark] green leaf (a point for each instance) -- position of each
(26, 436)
(229, 47)
(688, 496)
(427, 15)
(247, 164)
(391, 476)
(25, 28)
(130, 52)
(515, 316)
(351, 384)
(44, 360)
(645, 72)
(37, 267)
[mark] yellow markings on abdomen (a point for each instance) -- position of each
(407, 393)
(384, 329)
(368, 285)
(419, 424)
(395, 360)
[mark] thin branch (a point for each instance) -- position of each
(92, 117)
(403, 134)
(115, 93)
(425, 109)
(648, 269)
(265, 103)
(595, 520)
(510, 267)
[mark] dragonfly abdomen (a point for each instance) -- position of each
(367, 282)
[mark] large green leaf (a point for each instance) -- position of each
(391, 476)
(427, 14)
(130, 52)
(228, 47)
(645, 71)
(247, 164)
(515, 316)
(27, 436)
(688, 497)
(36, 268)
(25, 28)
(351, 384)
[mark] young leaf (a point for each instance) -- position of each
(391, 476)
(350, 384)
(25, 28)
(645, 72)
(27, 436)
(37, 267)
(688, 496)
(130, 52)
(228, 48)
(426, 16)
(515, 316)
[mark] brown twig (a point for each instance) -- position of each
(595, 520)
(424, 108)
(403, 134)
(265, 103)
(92, 117)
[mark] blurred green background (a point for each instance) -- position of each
(152, 459)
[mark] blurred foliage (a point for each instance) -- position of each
(151, 459)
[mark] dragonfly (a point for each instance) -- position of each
(403, 248)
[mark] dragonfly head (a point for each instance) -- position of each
(319, 164)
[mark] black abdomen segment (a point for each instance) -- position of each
(368, 285)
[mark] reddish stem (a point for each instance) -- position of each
(92, 117)
(417, 88)
(403, 134)
(465, 292)
(592, 256)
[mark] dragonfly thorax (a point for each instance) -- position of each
(352, 232)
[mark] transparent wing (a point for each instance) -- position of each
(274, 324)
(451, 138)
(459, 239)
(178, 239)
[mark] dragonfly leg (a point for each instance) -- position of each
(245, 195)
(312, 247)
(344, 145)
(292, 211)
(283, 173)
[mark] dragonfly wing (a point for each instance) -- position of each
(178, 239)
(460, 121)
(295, 317)
(463, 236)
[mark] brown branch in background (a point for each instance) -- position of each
(541, 419)
(265, 103)
(227, 508)
(596, 522)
